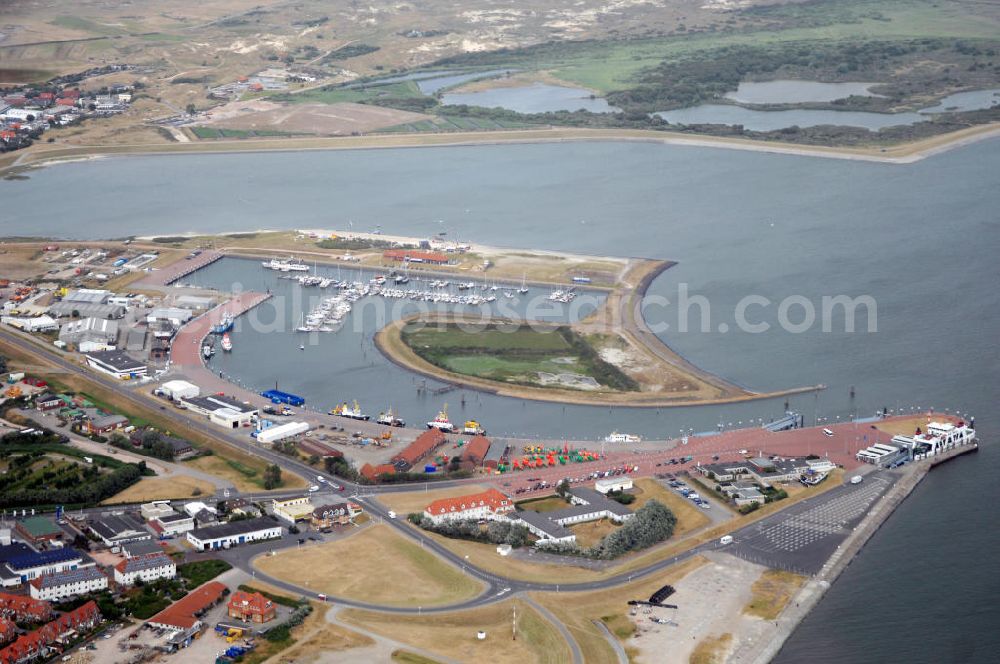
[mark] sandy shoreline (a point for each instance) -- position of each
(900, 154)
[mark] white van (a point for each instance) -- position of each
(725, 539)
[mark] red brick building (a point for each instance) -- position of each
(21, 608)
(425, 443)
(476, 449)
(251, 607)
(39, 642)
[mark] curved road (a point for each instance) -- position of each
(497, 588)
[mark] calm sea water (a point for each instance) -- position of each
(921, 239)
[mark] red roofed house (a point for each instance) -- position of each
(486, 505)
(371, 473)
(415, 256)
(423, 445)
(35, 644)
(251, 607)
(186, 612)
(476, 450)
(8, 630)
(21, 608)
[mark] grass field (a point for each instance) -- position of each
(325, 638)
(711, 650)
(453, 635)
(547, 504)
(591, 533)
(385, 568)
(162, 488)
(512, 353)
(577, 611)
(772, 592)
(689, 517)
(246, 474)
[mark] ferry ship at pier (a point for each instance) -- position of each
(285, 265)
(352, 412)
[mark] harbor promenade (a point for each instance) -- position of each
(179, 269)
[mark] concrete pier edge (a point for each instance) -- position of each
(813, 590)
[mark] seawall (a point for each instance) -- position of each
(813, 590)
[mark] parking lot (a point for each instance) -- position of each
(802, 537)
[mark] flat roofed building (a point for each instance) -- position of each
(545, 528)
(173, 524)
(291, 510)
(114, 530)
(117, 364)
(234, 533)
(38, 529)
(174, 315)
(155, 510)
(66, 309)
(141, 548)
(87, 295)
(209, 403)
(609, 484)
(90, 329)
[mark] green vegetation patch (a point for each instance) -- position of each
(87, 25)
(197, 573)
(350, 51)
(514, 353)
(40, 471)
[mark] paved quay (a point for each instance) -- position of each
(179, 269)
(811, 593)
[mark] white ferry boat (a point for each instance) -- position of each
(285, 265)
